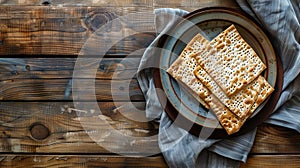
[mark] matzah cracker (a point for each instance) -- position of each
(229, 121)
(183, 67)
(183, 70)
(178, 70)
(240, 103)
(230, 61)
(265, 91)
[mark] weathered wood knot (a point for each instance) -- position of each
(46, 2)
(95, 20)
(27, 67)
(39, 131)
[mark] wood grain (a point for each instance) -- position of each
(106, 3)
(51, 79)
(274, 161)
(82, 161)
(122, 3)
(67, 133)
(191, 5)
(65, 30)
(60, 68)
(121, 161)
(76, 130)
(274, 139)
(62, 89)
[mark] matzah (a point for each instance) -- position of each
(178, 70)
(183, 67)
(265, 91)
(230, 61)
(232, 102)
(229, 121)
(240, 103)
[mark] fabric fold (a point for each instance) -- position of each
(281, 19)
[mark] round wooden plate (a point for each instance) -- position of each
(184, 109)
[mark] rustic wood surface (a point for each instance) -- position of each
(62, 68)
(40, 41)
(82, 161)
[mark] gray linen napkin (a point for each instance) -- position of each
(180, 149)
(281, 20)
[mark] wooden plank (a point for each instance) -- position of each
(67, 133)
(82, 161)
(117, 3)
(121, 161)
(61, 89)
(50, 79)
(65, 30)
(275, 139)
(58, 30)
(274, 161)
(69, 129)
(191, 5)
(79, 12)
(59, 68)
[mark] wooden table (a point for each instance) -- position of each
(39, 125)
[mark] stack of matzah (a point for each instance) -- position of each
(224, 75)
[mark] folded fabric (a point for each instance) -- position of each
(281, 20)
(181, 149)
